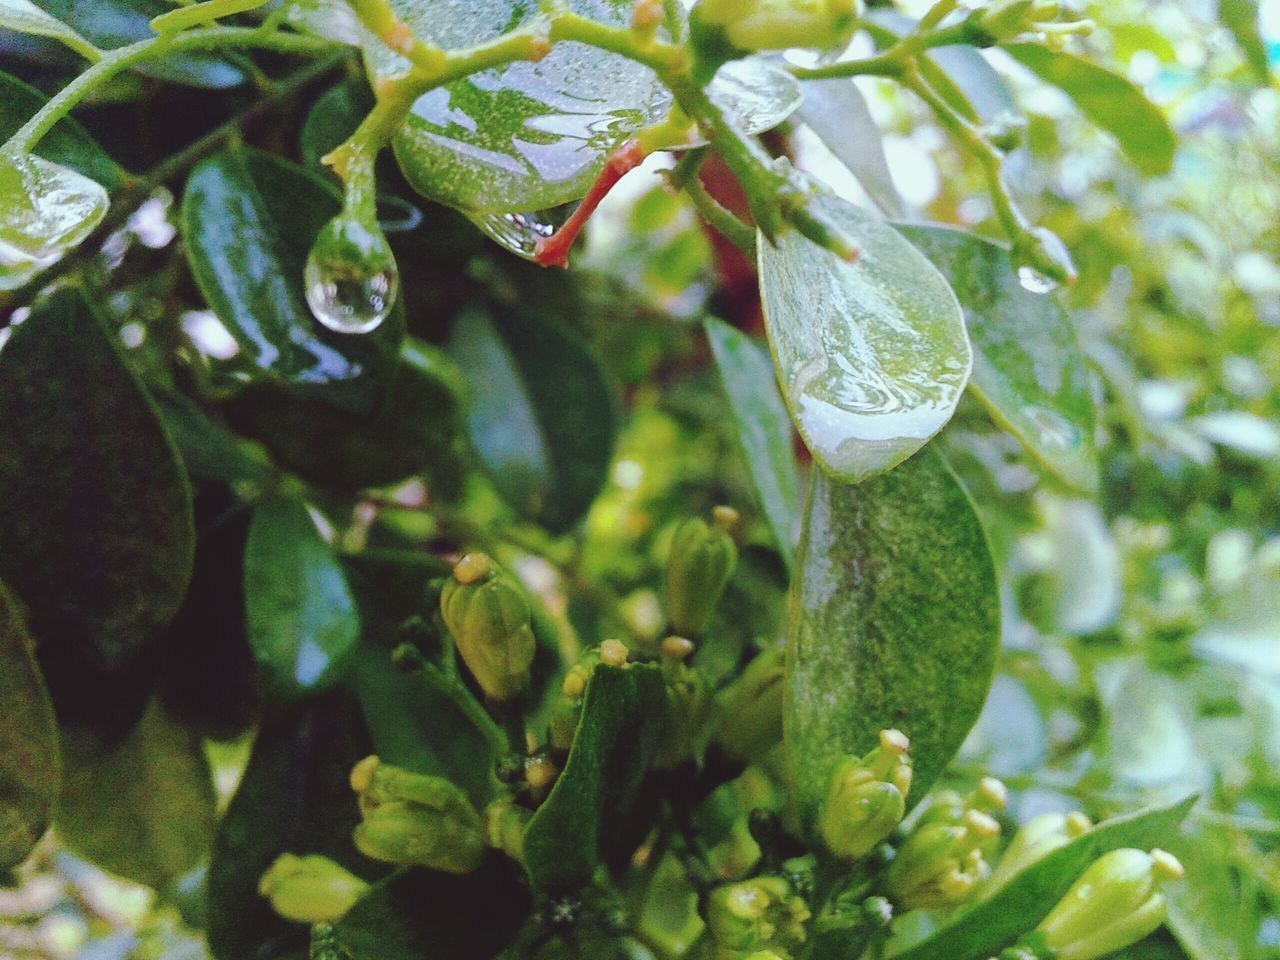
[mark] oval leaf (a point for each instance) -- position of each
(30, 762)
(872, 356)
(895, 622)
(249, 220)
(23, 16)
(982, 931)
(68, 143)
(1027, 367)
(754, 94)
(1109, 101)
(303, 624)
(96, 536)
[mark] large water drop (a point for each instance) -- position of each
(351, 277)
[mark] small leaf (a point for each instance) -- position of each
(754, 94)
(1109, 101)
(332, 119)
(249, 221)
(1027, 366)
(763, 429)
(303, 624)
(542, 415)
(872, 356)
(1024, 901)
(96, 536)
(615, 741)
(67, 144)
(23, 16)
(30, 761)
(143, 809)
(1241, 18)
(895, 623)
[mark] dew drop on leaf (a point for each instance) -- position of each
(519, 233)
(351, 277)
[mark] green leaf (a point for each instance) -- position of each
(96, 535)
(762, 427)
(983, 930)
(249, 220)
(24, 16)
(541, 415)
(332, 119)
(1241, 18)
(421, 913)
(143, 809)
(615, 741)
(895, 622)
(30, 758)
(1209, 913)
(1109, 101)
(1027, 365)
(872, 356)
(303, 624)
(67, 143)
(755, 94)
(295, 797)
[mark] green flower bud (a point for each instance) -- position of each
(684, 724)
(780, 24)
(413, 818)
(940, 864)
(1002, 20)
(701, 561)
(489, 617)
(504, 825)
(1038, 838)
(1113, 904)
(867, 798)
(310, 889)
(751, 709)
(756, 914)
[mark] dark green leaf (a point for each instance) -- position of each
(67, 143)
(541, 413)
(616, 738)
(1027, 365)
(982, 931)
(334, 117)
(1241, 18)
(208, 449)
(762, 427)
(303, 624)
(1109, 101)
(96, 536)
(895, 622)
(30, 762)
(249, 219)
(143, 809)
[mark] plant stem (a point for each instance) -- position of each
(685, 177)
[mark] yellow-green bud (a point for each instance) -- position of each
(750, 708)
(310, 889)
(1038, 838)
(488, 614)
(780, 24)
(940, 864)
(1004, 19)
(684, 723)
(504, 825)
(701, 561)
(867, 798)
(1114, 903)
(413, 818)
(755, 914)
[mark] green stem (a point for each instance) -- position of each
(685, 177)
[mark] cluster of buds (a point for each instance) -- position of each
(413, 818)
(702, 559)
(867, 798)
(489, 616)
(761, 914)
(750, 709)
(941, 862)
(750, 25)
(310, 889)
(1007, 20)
(1035, 840)
(563, 722)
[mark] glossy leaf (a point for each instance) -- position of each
(872, 356)
(1109, 101)
(333, 118)
(249, 220)
(67, 144)
(30, 761)
(541, 415)
(23, 16)
(1027, 366)
(96, 536)
(895, 622)
(981, 931)
(762, 427)
(615, 741)
(303, 624)
(143, 809)
(755, 94)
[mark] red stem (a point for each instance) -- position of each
(553, 251)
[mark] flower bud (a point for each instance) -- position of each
(867, 798)
(1038, 838)
(1002, 20)
(504, 825)
(1113, 904)
(310, 889)
(940, 864)
(489, 617)
(779, 24)
(756, 914)
(684, 723)
(701, 561)
(751, 709)
(413, 818)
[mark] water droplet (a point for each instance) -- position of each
(1056, 432)
(351, 277)
(520, 232)
(1035, 281)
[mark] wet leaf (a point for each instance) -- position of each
(249, 220)
(872, 356)
(67, 144)
(895, 622)
(303, 624)
(1027, 365)
(96, 536)
(30, 761)
(23, 16)
(755, 94)
(615, 741)
(762, 427)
